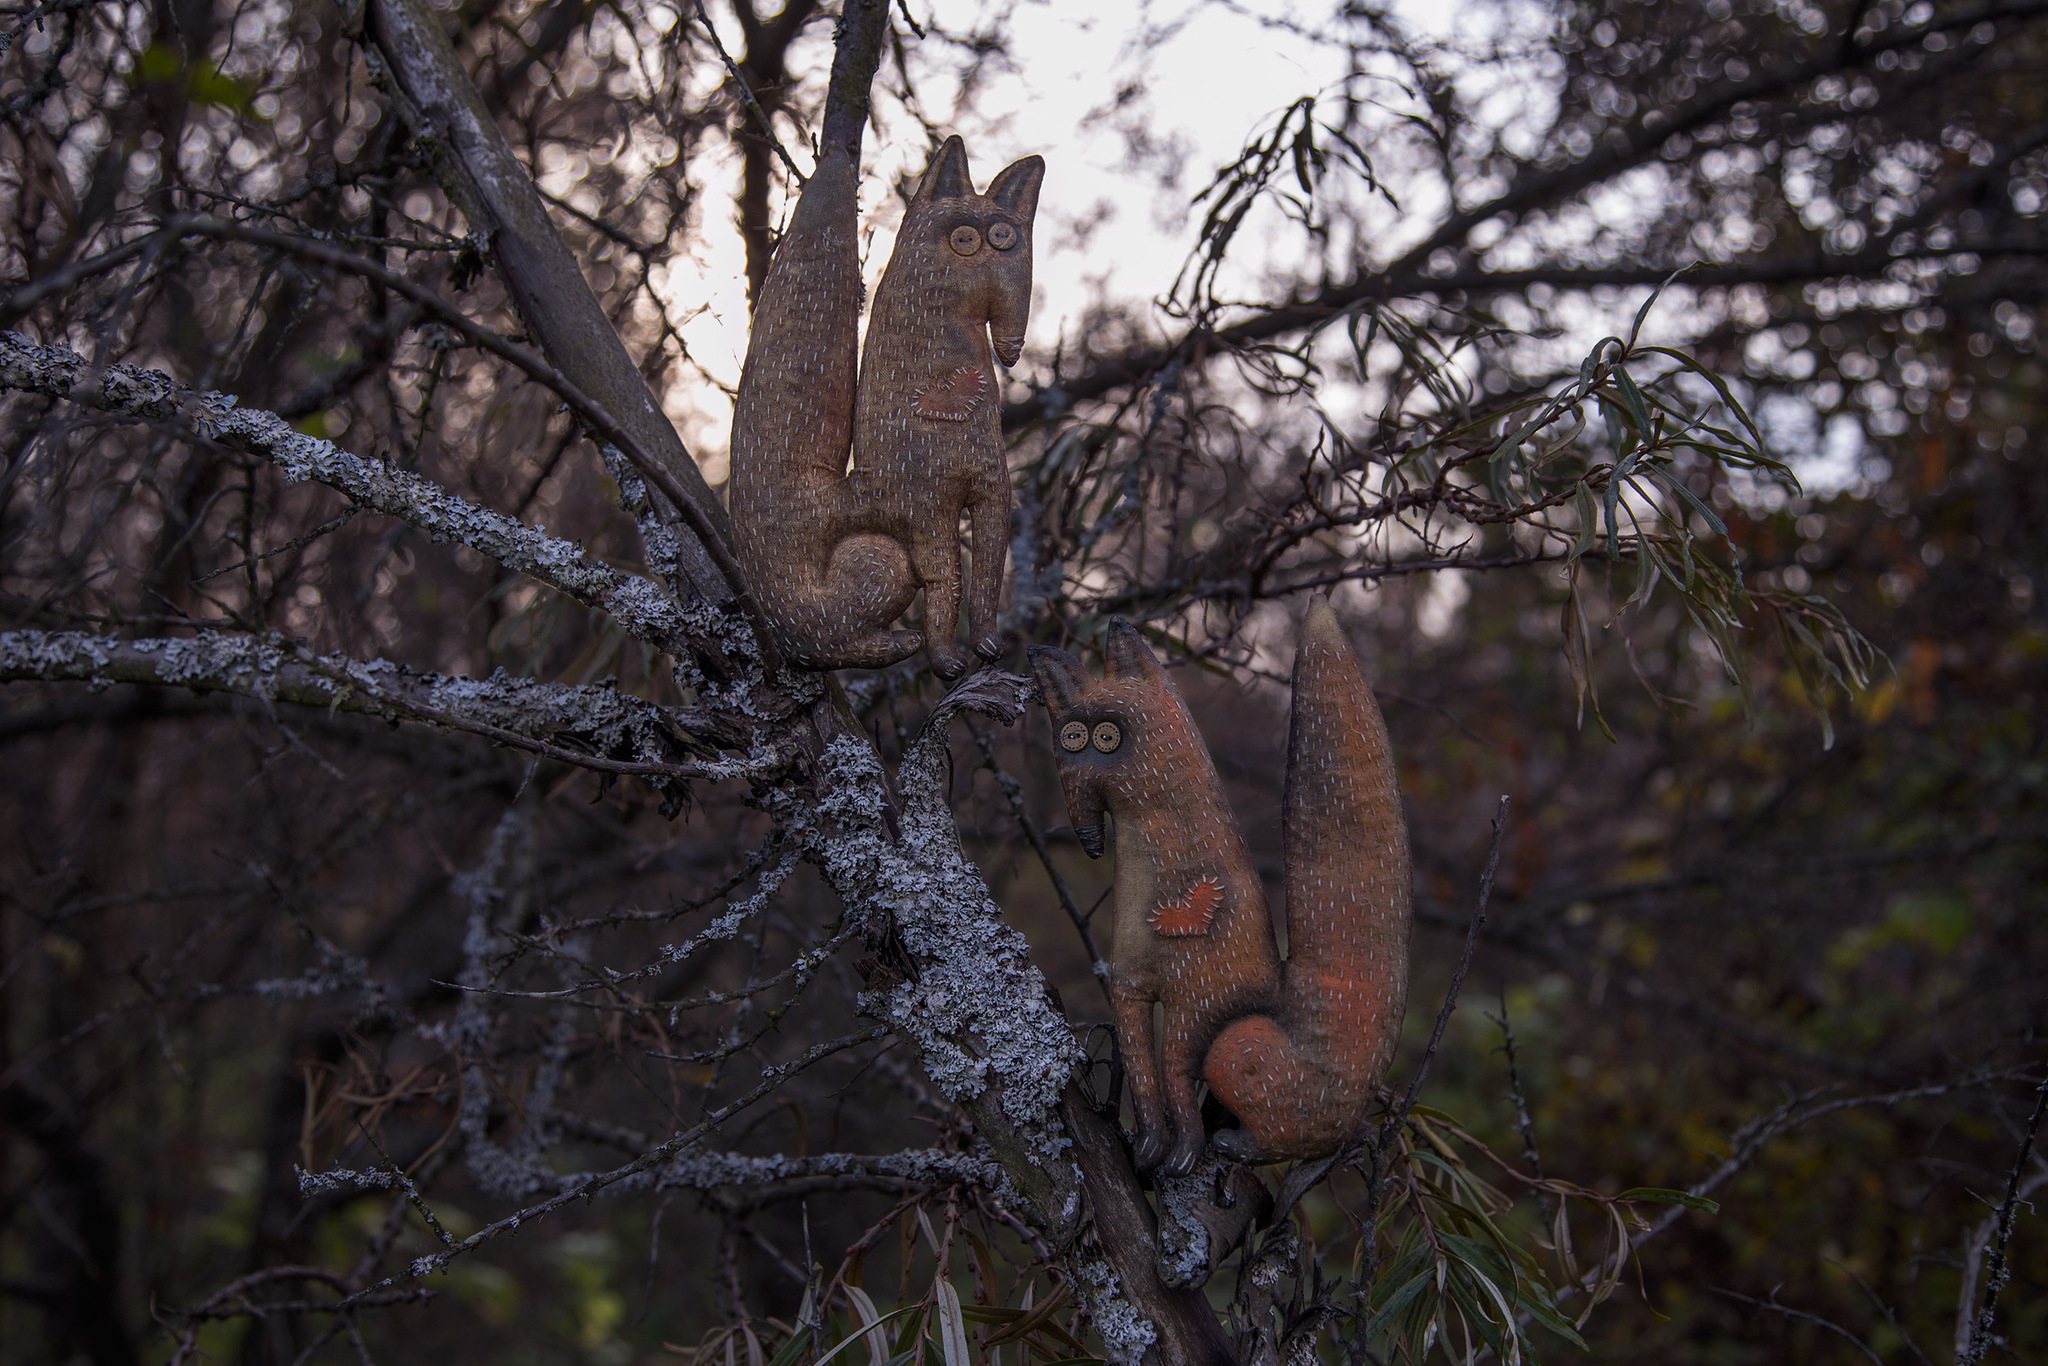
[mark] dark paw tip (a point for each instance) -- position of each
(1233, 1144)
(1091, 839)
(1147, 1153)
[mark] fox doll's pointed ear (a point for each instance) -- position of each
(1060, 677)
(1016, 187)
(1127, 654)
(947, 177)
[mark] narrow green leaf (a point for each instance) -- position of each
(795, 1346)
(1638, 411)
(1033, 1320)
(1692, 366)
(868, 1332)
(952, 1324)
(913, 1328)
(1636, 329)
(1659, 1195)
(1699, 505)
(1589, 521)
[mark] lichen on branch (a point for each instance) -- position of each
(641, 607)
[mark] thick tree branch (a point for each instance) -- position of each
(991, 1038)
(497, 194)
(858, 51)
(601, 729)
(595, 417)
(126, 391)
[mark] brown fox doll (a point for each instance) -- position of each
(835, 556)
(1294, 1050)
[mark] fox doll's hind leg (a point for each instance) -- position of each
(1141, 1066)
(989, 519)
(1277, 1095)
(935, 556)
(1181, 1061)
(844, 623)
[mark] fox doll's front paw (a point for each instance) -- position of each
(948, 664)
(990, 645)
(1187, 1153)
(1148, 1150)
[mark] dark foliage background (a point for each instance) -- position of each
(238, 939)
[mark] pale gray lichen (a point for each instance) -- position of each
(600, 719)
(642, 608)
(337, 974)
(1127, 1335)
(662, 549)
(926, 1166)
(517, 1170)
(977, 1010)
(342, 1181)
(977, 1005)
(1184, 1257)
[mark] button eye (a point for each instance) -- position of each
(1002, 236)
(1107, 737)
(965, 241)
(1074, 736)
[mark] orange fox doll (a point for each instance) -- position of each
(1294, 1050)
(835, 556)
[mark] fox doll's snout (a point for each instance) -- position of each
(1063, 681)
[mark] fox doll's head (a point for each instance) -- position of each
(1125, 742)
(975, 248)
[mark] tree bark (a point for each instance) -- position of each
(497, 194)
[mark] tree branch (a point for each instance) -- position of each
(1997, 1273)
(589, 727)
(857, 52)
(1539, 187)
(127, 391)
(497, 194)
(990, 1037)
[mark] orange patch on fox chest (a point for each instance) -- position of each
(952, 397)
(1191, 913)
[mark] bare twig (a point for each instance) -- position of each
(1013, 793)
(771, 1078)
(1443, 1014)
(1997, 1273)
(739, 82)
(1800, 1314)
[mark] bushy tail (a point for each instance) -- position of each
(793, 422)
(1348, 908)
(1301, 1080)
